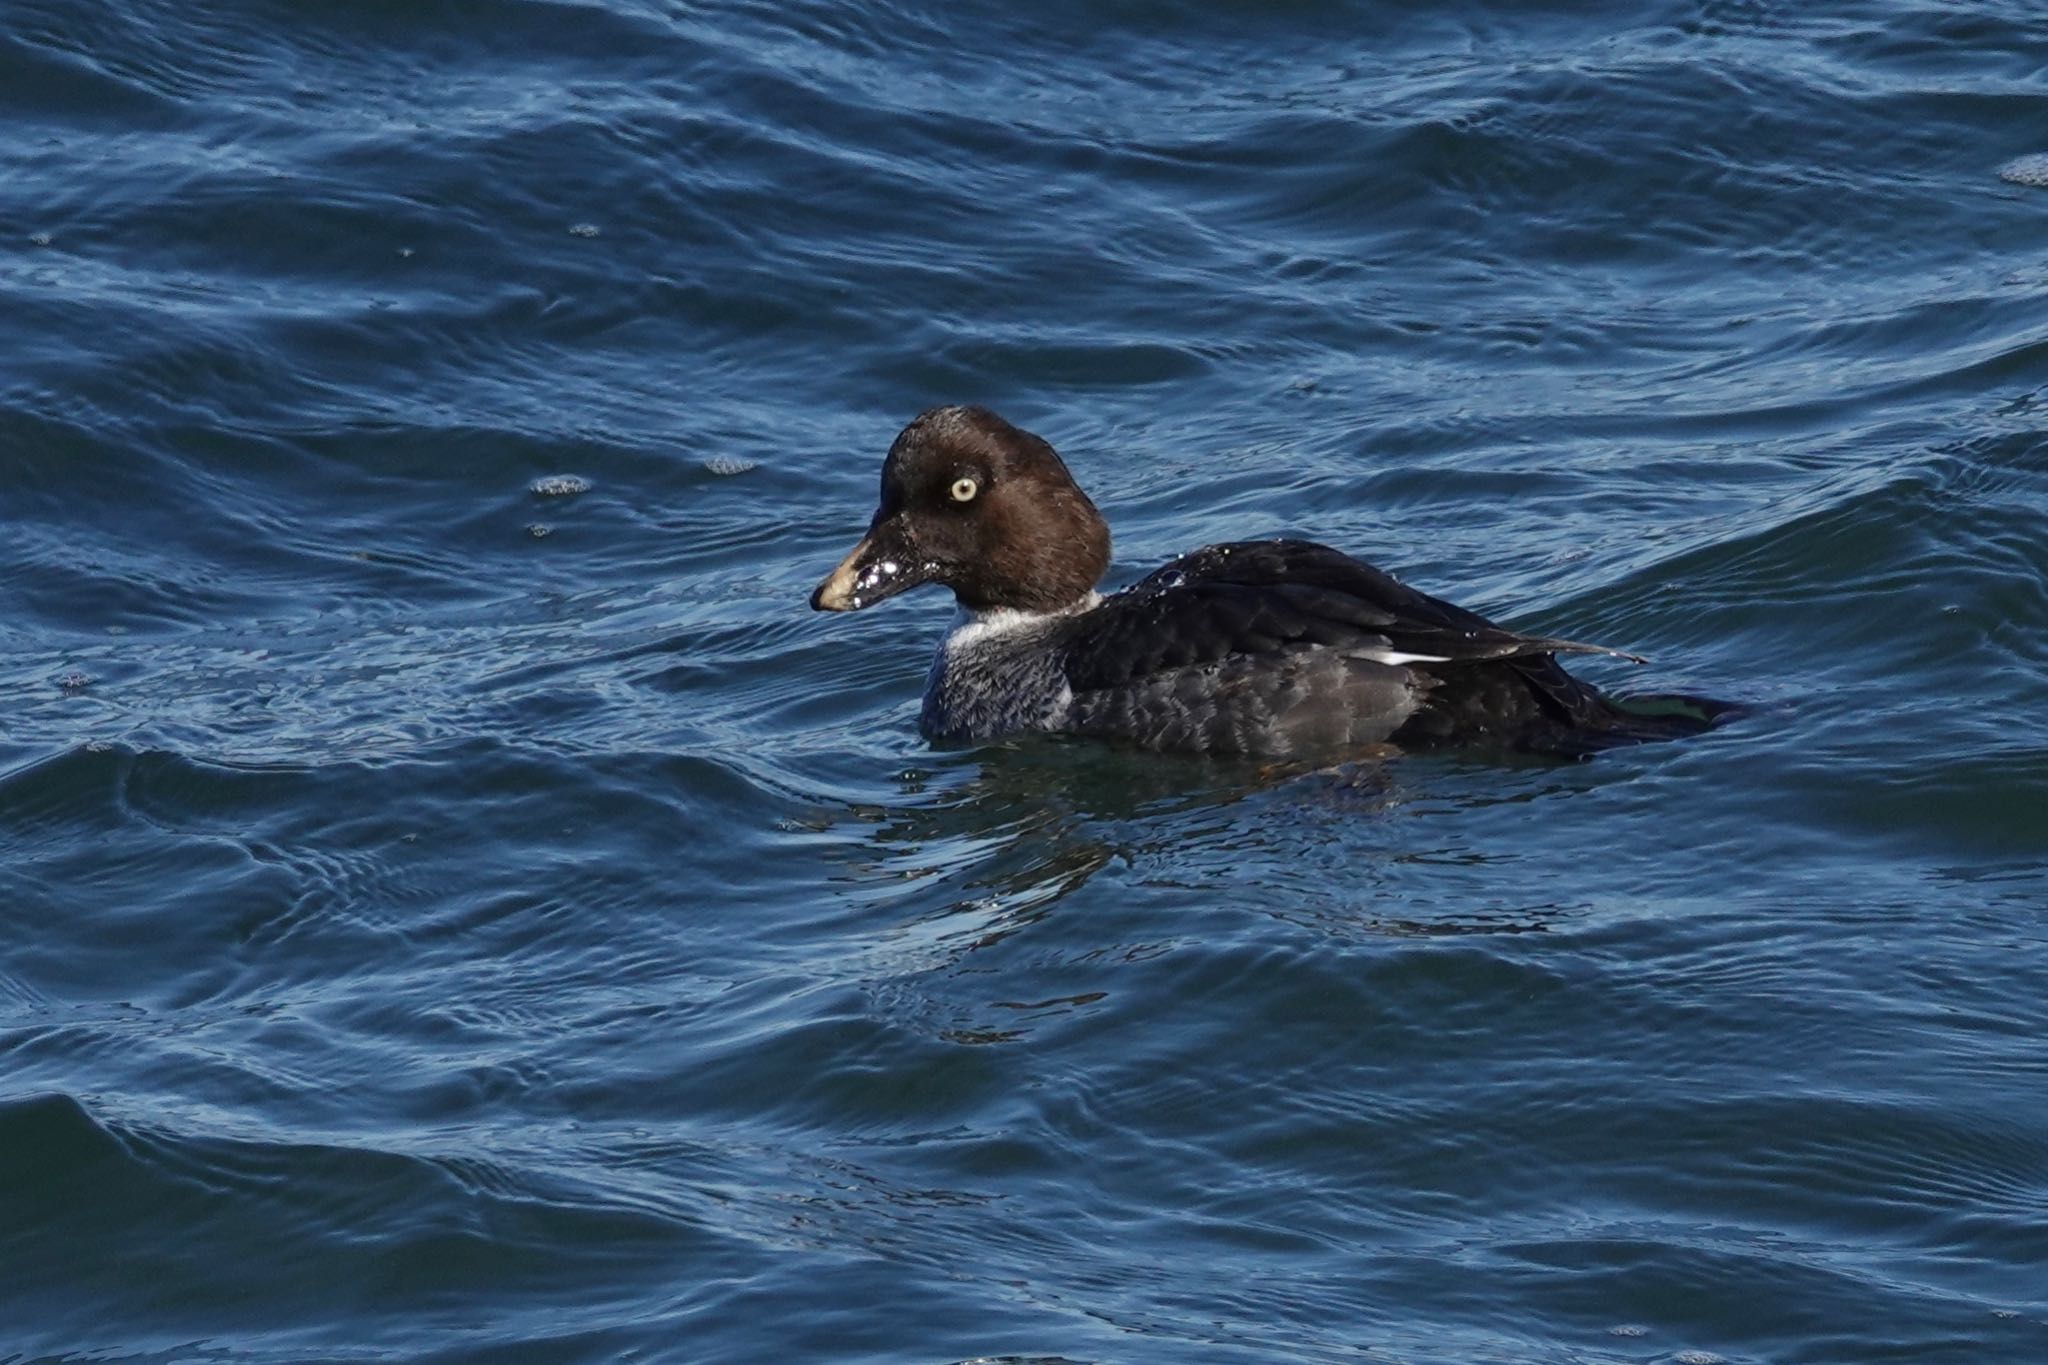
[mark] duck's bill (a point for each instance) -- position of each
(882, 565)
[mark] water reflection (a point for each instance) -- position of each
(985, 845)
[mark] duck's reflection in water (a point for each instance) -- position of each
(985, 844)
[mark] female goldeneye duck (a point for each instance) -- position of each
(1278, 648)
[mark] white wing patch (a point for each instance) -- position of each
(1383, 655)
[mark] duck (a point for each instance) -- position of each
(1273, 649)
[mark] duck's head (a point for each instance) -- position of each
(981, 506)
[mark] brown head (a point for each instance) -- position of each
(981, 506)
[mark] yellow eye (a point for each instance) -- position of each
(964, 489)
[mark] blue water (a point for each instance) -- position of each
(457, 904)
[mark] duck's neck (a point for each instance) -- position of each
(971, 626)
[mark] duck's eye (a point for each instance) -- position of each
(964, 489)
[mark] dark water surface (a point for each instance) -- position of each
(448, 915)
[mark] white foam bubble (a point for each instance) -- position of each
(559, 485)
(2027, 170)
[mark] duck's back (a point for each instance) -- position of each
(1289, 649)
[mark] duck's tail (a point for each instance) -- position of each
(1577, 720)
(1532, 705)
(1670, 715)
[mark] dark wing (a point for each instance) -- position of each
(1258, 597)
